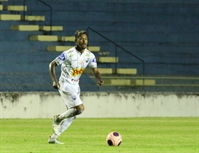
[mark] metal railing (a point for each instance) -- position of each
(116, 52)
(50, 11)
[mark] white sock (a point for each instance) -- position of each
(54, 136)
(65, 124)
(68, 113)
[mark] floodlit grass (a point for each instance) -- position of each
(140, 135)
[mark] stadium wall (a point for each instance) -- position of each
(100, 105)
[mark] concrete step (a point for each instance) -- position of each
(63, 48)
(25, 27)
(17, 17)
(131, 71)
(35, 28)
(107, 59)
(158, 81)
(126, 71)
(130, 82)
(103, 53)
(53, 28)
(94, 48)
(15, 8)
(51, 38)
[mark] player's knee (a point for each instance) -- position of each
(78, 112)
(79, 109)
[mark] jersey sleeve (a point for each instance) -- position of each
(61, 58)
(93, 62)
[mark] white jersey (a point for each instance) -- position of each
(73, 64)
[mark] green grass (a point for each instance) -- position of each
(140, 135)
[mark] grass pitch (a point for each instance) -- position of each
(140, 135)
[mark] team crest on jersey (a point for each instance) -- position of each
(87, 60)
(74, 97)
(62, 57)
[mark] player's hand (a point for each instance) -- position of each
(101, 82)
(56, 85)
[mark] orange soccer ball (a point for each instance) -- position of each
(114, 139)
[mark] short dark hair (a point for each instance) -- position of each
(78, 33)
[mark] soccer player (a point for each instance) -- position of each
(73, 62)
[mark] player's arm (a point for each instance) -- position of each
(97, 76)
(52, 66)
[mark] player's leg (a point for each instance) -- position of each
(77, 110)
(64, 124)
(60, 129)
(63, 121)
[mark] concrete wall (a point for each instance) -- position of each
(47, 104)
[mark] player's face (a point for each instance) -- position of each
(82, 41)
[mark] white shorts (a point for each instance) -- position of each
(70, 93)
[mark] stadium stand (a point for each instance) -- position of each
(140, 46)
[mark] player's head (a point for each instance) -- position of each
(81, 39)
(78, 34)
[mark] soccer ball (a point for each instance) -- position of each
(114, 139)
